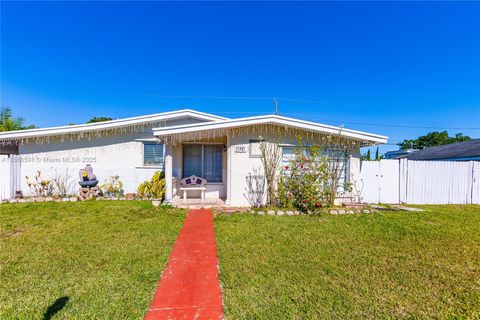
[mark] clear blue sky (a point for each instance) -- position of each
(414, 63)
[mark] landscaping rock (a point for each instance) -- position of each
(73, 199)
(40, 199)
(260, 213)
(12, 201)
(280, 213)
(366, 211)
(48, 199)
(271, 212)
(122, 198)
(156, 203)
(341, 211)
(21, 200)
(350, 211)
(296, 212)
(113, 198)
(57, 200)
(65, 199)
(29, 200)
(333, 211)
(290, 213)
(130, 196)
(251, 211)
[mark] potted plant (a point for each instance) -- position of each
(153, 188)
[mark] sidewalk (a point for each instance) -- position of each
(189, 287)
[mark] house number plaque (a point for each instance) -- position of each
(240, 150)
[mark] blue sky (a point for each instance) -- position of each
(378, 67)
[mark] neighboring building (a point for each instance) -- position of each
(398, 154)
(460, 151)
(182, 143)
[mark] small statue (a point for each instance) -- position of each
(88, 182)
(87, 178)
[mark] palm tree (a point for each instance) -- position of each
(9, 123)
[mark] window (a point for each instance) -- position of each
(203, 161)
(289, 154)
(152, 154)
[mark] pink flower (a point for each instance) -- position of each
(286, 167)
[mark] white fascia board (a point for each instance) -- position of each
(112, 124)
(271, 119)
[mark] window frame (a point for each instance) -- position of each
(156, 165)
(203, 144)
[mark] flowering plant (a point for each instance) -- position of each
(311, 178)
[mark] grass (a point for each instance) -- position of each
(89, 260)
(387, 265)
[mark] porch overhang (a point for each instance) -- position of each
(264, 125)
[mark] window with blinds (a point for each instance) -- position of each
(152, 154)
(203, 161)
(288, 153)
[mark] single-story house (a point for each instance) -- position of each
(460, 151)
(181, 143)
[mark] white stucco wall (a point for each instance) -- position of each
(116, 154)
(110, 155)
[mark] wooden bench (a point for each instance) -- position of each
(193, 183)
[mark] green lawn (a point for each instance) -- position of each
(90, 260)
(386, 265)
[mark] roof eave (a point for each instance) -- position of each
(276, 120)
(105, 125)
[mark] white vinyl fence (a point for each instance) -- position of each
(420, 182)
(9, 176)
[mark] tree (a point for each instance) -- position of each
(432, 139)
(366, 156)
(10, 123)
(99, 119)
(271, 156)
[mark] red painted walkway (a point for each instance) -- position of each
(189, 287)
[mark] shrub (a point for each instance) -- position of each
(153, 188)
(63, 184)
(39, 186)
(311, 178)
(113, 187)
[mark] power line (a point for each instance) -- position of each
(213, 97)
(353, 122)
(275, 101)
(386, 125)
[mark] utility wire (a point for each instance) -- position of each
(275, 99)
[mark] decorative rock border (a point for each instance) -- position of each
(275, 212)
(280, 212)
(70, 199)
(351, 211)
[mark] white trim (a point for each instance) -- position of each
(149, 167)
(149, 140)
(106, 125)
(270, 119)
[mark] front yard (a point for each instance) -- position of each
(102, 260)
(369, 266)
(89, 260)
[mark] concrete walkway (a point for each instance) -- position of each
(189, 287)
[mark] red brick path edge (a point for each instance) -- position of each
(189, 287)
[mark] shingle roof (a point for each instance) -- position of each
(457, 150)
